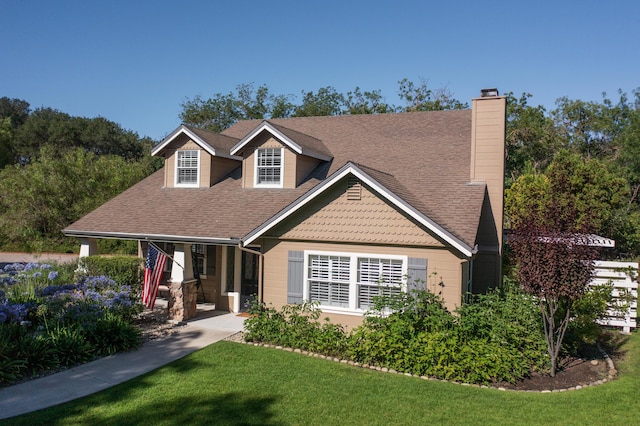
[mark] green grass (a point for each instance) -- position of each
(230, 383)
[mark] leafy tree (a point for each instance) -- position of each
(358, 102)
(41, 198)
(421, 98)
(61, 131)
(6, 136)
(16, 109)
(629, 148)
(554, 260)
(223, 110)
(530, 137)
(594, 189)
(326, 101)
(591, 128)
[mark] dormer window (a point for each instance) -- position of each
(187, 162)
(269, 167)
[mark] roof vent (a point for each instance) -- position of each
(489, 93)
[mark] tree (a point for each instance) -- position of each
(39, 199)
(530, 137)
(6, 136)
(591, 128)
(554, 261)
(17, 110)
(421, 98)
(597, 193)
(223, 110)
(327, 101)
(358, 102)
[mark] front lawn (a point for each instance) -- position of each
(231, 383)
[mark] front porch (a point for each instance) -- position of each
(198, 276)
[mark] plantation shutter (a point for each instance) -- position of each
(295, 276)
(416, 274)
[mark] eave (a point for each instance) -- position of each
(184, 130)
(152, 237)
(391, 197)
(276, 133)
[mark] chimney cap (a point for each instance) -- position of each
(488, 93)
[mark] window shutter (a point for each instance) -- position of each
(295, 277)
(416, 274)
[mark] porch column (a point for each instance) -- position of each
(88, 247)
(182, 287)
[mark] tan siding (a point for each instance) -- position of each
(304, 166)
(289, 177)
(181, 143)
(170, 170)
(443, 266)
(221, 167)
(487, 165)
(368, 220)
(205, 169)
(248, 164)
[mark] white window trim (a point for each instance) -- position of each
(255, 170)
(186, 185)
(353, 278)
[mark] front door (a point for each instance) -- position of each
(249, 282)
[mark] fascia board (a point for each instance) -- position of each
(274, 132)
(197, 139)
(153, 237)
(351, 168)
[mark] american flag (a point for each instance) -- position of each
(153, 269)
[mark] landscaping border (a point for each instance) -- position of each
(612, 372)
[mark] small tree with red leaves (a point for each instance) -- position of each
(554, 261)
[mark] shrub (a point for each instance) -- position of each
(495, 337)
(38, 352)
(295, 326)
(112, 333)
(11, 366)
(71, 345)
(125, 270)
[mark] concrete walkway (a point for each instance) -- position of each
(101, 374)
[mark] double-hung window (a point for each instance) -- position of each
(268, 171)
(349, 282)
(378, 277)
(187, 167)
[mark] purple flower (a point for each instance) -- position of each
(30, 266)
(53, 275)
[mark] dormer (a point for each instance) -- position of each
(278, 157)
(196, 158)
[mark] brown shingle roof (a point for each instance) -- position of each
(423, 157)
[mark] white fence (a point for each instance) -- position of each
(623, 276)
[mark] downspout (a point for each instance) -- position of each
(260, 267)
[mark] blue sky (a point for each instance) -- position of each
(135, 62)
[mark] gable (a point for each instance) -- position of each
(295, 167)
(351, 212)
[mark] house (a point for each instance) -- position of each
(332, 209)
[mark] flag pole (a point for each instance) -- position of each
(164, 252)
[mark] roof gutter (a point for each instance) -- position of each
(152, 237)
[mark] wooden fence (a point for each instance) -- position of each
(623, 276)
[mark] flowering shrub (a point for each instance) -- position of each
(68, 322)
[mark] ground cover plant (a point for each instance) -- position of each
(495, 337)
(231, 383)
(51, 320)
